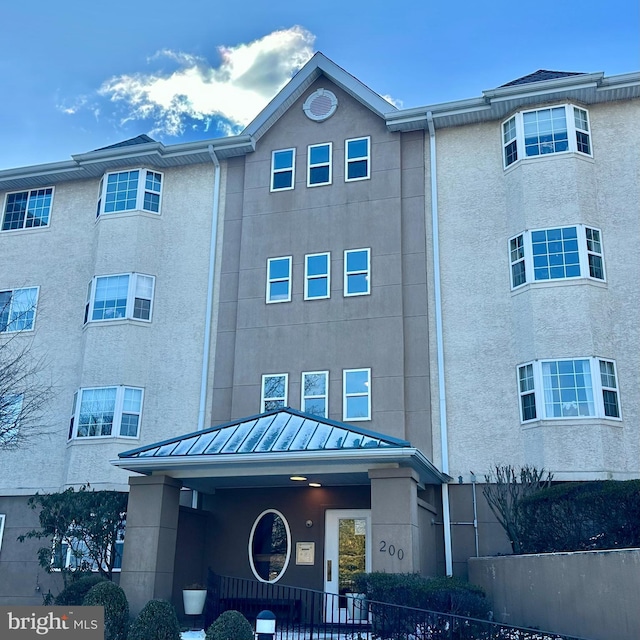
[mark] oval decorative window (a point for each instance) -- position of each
(269, 546)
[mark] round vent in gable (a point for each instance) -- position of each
(320, 105)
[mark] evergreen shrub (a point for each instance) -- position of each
(230, 625)
(116, 608)
(157, 621)
(73, 594)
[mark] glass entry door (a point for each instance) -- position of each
(347, 552)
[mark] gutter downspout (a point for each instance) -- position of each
(206, 347)
(444, 445)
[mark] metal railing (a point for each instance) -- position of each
(305, 614)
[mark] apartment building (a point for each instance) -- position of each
(330, 327)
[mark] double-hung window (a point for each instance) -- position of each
(118, 297)
(27, 209)
(274, 391)
(106, 411)
(357, 159)
(18, 309)
(539, 132)
(579, 388)
(561, 253)
(283, 169)
(319, 164)
(315, 393)
(357, 271)
(134, 190)
(279, 279)
(317, 276)
(356, 386)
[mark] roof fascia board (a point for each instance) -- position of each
(36, 170)
(620, 81)
(583, 81)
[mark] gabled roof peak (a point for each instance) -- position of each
(141, 139)
(541, 75)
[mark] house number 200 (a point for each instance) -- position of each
(391, 549)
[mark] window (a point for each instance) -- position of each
(283, 169)
(356, 272)
(18, 309)
(274, 392)
(2, 519)
(117, 297)
(319, 165)
(10, 413)
(582, 388)
(544, 131)
(556, 254)
(27, 209)
(77, 551)
(357, 159)
(279, 279)
(106, 411)
(269, 546)
(315, 393)
(316, 276)
(136, 190)
(357, 394)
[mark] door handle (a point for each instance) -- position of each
(329, 571)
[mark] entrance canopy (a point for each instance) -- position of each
(272, 448)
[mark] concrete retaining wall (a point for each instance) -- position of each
(590, 594)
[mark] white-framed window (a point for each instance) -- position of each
(538, 132)
(356, 385)
(72, 553)
(133, 190)
(283, 169)
(18, 309)
(279, 279)
(120, 296)
(274, 391)
(106, 412)
(319, 165)
(269, 546)
(357, 159)
(2, 519)
(560, 253)
(315, 393)
(568, 388)
(27, 209)
(357, 272)
(10, 414)
(317, 276)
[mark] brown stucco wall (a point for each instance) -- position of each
(591, 594)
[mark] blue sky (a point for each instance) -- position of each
(80, 75)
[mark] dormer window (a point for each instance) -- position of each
(539, 132)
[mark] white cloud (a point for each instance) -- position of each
(247, 78)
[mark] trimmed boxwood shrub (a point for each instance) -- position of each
(230, 625)
(116, 608)
(157, 621)
(582, 516)
(73, 595)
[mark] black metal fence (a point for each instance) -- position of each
(304, 614)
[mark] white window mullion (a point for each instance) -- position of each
(583, 253)
(538, 385)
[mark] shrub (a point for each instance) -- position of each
(581, 516)
(230, 625)
(116, 608)
(73, 595)
(157, 621)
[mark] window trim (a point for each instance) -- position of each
(34, 308)
(345, 395)
(308, 277)
(69, 553)
(317, 165)
(515, 125)
(291, 168)
(264, 399)
(30, 192)
(130, 308)
(597, 390)
(118, 412)
(141, 192)
(304, 397)
(523, 255)
(366, 271)
(285, 564)
(3, 518)
(348, 161)
(288, 279)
